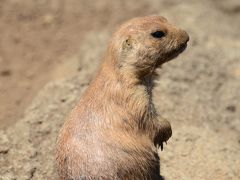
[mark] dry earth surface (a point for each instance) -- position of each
(61, 42)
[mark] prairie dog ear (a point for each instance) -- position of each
(128, 44)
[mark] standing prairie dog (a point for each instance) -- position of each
(114, 131)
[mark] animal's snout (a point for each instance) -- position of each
(184, 37)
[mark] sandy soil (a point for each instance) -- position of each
(60, 43)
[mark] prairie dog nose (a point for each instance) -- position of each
(184, 37)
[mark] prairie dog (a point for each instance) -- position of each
(114, 131)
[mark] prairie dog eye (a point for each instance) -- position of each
(158, 34)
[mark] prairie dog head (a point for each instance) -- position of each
(144, 43)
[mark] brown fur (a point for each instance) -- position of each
(114, 130)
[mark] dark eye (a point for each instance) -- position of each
(158, 34)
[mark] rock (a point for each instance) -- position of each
(199, 153)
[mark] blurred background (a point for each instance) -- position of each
(50, 49)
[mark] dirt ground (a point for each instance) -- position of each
(36, 38)
(50, 49)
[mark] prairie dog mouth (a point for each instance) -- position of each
(178, 51)
(182, 48)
